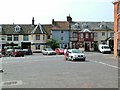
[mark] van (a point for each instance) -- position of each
(104, 48)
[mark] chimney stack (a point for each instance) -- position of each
(53, 22)
(69, 18)
(33, 21)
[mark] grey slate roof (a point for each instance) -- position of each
(92, 25)
(10, 29)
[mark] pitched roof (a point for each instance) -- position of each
(39, 29)
(92, 25)
(48, 28)
(60, 25)
(10, 29)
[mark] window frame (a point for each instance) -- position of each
(37, 37)
(9, 37)
(26, 37)
(16, 38)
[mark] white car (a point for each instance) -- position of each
(48, 51)
(75, 54)
(104, 48)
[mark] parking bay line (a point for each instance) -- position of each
(105, 64)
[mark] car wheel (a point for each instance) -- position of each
(83, 59)
(72, 59)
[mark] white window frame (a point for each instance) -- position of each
(81, 35)
(24, 37)
(9, 37)
(16, 38)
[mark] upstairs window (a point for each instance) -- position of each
(119, 9)
(95, 34)
(74, 34)
(16, 38)
(81, 35)
(0, 28)
(119, 25)
(25, 38)
(62, 38)
(62, 31)
(37, 37)
(9, 37)
(91, 35)
(43, 37)
(87, 35)
(103, 33)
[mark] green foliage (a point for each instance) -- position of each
(53, 43)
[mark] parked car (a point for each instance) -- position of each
(104, 48)
(27, 51)
(9, 52)
(3, 51)
(48, 51)
(75, 54)
(59, 51)
(17, 52)
(0, 55)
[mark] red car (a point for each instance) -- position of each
(18, 52)
(59, 51)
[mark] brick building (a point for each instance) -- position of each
(116, 27)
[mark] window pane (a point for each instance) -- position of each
(25, 38)
(86, 35)
(16, 38)
(119, 25)
(9, 38)
(103, 33)
(81, 35)
(119, 9)
(37, 37)
(38, 47)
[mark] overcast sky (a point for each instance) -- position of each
(22, 11)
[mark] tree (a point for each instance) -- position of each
(53, 43)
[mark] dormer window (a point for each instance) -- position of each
(17, 28)
(85, 26)
(0, 28)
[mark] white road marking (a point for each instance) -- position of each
(10, 83)
(106, 64)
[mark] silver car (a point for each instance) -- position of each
(48, 51)
(75, 54)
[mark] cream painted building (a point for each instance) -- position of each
(23, 35)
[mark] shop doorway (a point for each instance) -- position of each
(87, 47)
(25, 45)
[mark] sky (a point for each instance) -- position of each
(43, 11)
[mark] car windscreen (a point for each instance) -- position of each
(49, 49)
(76, 51)
(106, 47)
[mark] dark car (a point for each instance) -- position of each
(17, 52)
(27, 51)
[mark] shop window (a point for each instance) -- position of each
(38, 47)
